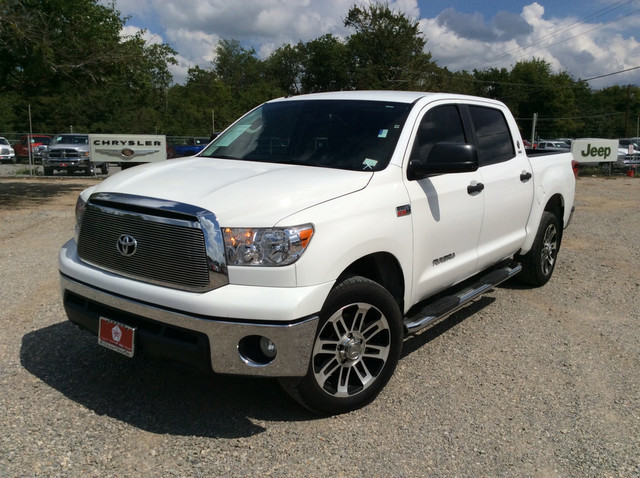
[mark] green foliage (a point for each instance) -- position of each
(67, 61)
(387, 49)
(326, 65)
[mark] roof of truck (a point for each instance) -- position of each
(379, 95)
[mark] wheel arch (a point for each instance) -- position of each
(556, 206)
(383, 268)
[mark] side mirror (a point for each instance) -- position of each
(444, 158)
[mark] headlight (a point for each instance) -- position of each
(266, 247)
(81, 205)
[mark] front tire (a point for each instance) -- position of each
(356, 349)
(539, 262)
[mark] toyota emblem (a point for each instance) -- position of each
(127, 245)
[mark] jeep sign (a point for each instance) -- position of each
(590, 150)
(134, 148)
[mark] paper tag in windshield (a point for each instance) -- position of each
(370, 163)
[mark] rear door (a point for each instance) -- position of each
(508, 184)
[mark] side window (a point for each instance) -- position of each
(440, 124)
(495, 143)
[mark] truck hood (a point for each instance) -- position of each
(239, 193)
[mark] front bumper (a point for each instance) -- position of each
(221, 345)
(72, 164)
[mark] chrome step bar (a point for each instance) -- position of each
(447, 305)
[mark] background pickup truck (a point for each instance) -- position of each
(70, 152)
(314, 234)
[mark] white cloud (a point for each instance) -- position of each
(582, 50)
(456, 40)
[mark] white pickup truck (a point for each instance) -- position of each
(313, 235)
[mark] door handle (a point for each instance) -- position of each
(525, 176)
(475, 188)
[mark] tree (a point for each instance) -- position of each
(68, 60)
(285, 67)
(387, 49)
(326, 65)
(43, 42)
(245, 76)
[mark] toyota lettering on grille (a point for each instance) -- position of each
(127, 245)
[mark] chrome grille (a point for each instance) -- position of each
(171, 248)
(64, 153)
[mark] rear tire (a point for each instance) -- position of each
(356, 349)
(538, 264)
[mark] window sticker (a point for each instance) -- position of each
(369, 163)
(383, 133)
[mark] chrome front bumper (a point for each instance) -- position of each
(228, 339)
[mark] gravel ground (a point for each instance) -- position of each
(524, 382)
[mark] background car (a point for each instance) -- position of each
(36, 140)
(7, 153)
(179, 146)
(554, 145)
(628, 153)
(70, 152)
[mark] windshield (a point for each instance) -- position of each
(340, 134)
(71, 139)
(3, 141)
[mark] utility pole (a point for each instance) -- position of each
(29, 144)
(626, 116)
(533, 129)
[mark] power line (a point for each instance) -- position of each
(554, 118)
(611, 74)
(560, 31)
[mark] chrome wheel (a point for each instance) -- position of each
(351, 350)
(549, 249)
(355, 351)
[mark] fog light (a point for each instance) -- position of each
(268, 348)
(257, 351)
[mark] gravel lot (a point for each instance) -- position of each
(524, 382)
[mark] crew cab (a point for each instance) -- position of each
(70, 152)
(313, 235)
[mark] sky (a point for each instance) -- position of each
(595, 40)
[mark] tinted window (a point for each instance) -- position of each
(440, 124)
(492, 134)
(71, 139)
(342, 134)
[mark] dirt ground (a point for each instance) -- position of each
(523, 382)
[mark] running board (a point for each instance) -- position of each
(448, 304)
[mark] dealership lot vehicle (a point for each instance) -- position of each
(313, 235)
(37, 143)
(554, 146)
(178, 147)
(7, 153)
(70, 152)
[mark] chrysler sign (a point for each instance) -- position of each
(135, 148)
